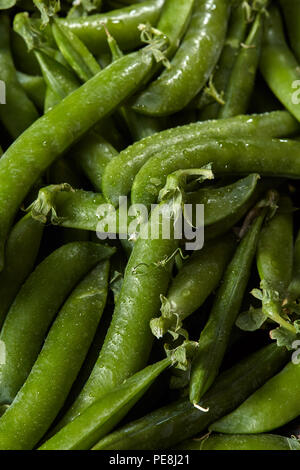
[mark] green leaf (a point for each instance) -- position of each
(251, 320)
(283, 337)
(5, 4)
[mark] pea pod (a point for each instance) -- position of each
(195, 281)
(191, 65)
(34, 87)
(120, 173)
(35, 307)
(173, 423)
(215, 336)
(21, 251)
(294, 287)
(243, 442)
(291, 11)
(65, 348)
(19, 112)
(278, 65)
(62, 126)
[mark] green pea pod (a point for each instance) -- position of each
(58, 363)
(215, 336)
(271, 406)
(99, 418)
(278, 65)
(34, 87)
(294, 287)
(242, 442)
(62, 126)
(178, 421)
(35, 307)
(19, 112)
(195, 281)
(120, 173)
(192, 64)
(21, 251)
(75, 52)
(6, 4)
(241, 82)
(291, 11)
(267, 157)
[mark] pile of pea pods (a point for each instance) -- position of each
(116, 339)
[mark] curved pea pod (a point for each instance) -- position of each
(294, 287)
(191, 65)
(278, 65)
(21, 251)
(242, 442)
(54, 133)
(267, 157)
(36, 305)
(195, 281)
(100, 417)
(34, 86)
(18, 112)
(120, 173)
(291, 11)
(271, 406)
(215, 336)
(58, 363)
(178, 421)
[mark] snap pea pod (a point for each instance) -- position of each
(271, 406)
(294, 287)
(241, 82)
(267, 157)
(58, 364)
(291, 11)
(278, 65)
(34, 87)
(173, 423)
(242, 442)
(192, 64)
(100, 417)
(35, 307)
(21, 251)
(51, 135)
(120, 173)
(215, 336)
(195, 281)
(19, 112)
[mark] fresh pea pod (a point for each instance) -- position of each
(291, 11)
(19, 112)
(35, 307)
(120, 173)
(215, 336)
(195, 281)
(34, 87)
(278, 65)
(173, 423)
(21, 251)
(51, 135)
(58, 364)
(294, 287)
(242, 442)
(191, 65)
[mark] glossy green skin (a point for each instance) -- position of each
(221, 75)
(129, 339)
(51, 135)
(294, 287)
(191, 65)
(173, 423)
(196, 280)
(57, 365)
(100, 418)
(36, 305)
(34, 87)
(215, 336)
(271, 406)
(21, 251)
(291, 11)
(19, 112)
(242, 442)
(278, 65)
(122, 24)
(275, 248)
(272, 157)
(120, 173)
(241, 82)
